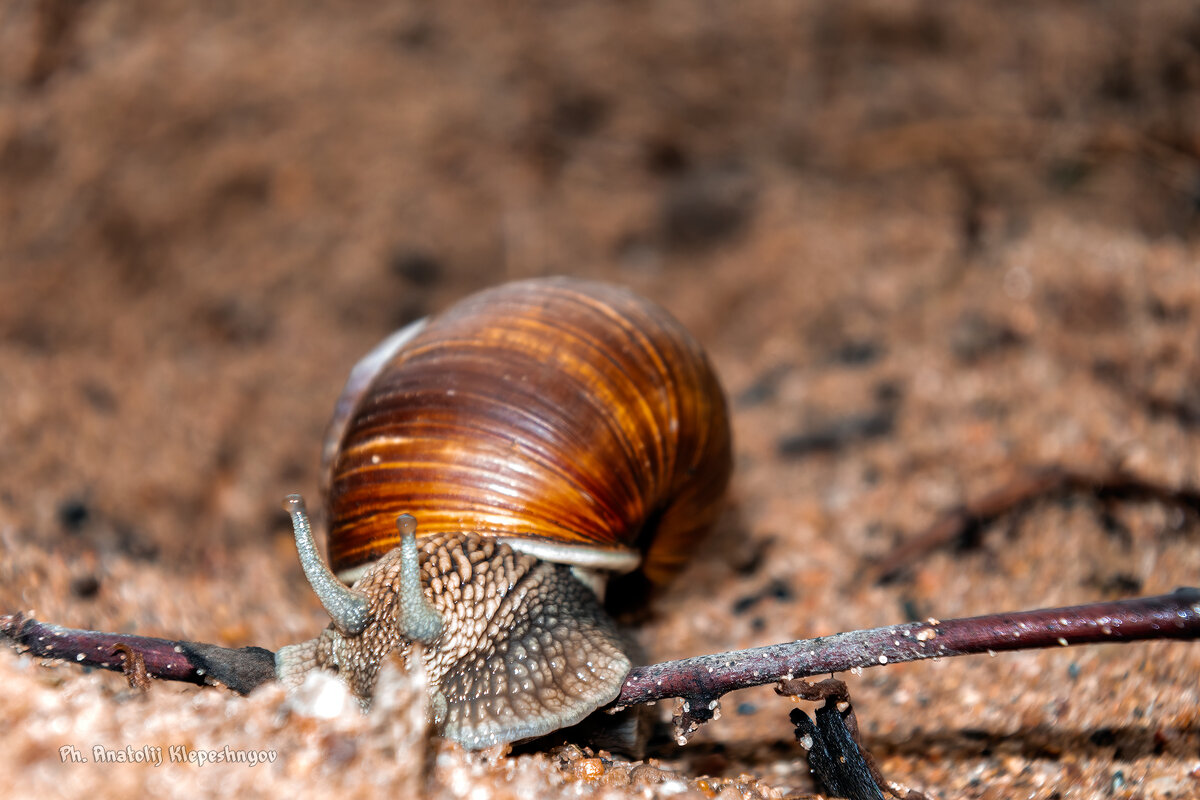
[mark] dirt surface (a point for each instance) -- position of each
(929, 247)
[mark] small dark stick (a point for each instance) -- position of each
(240, 669)
(836, 754)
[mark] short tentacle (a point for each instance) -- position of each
(416, 618)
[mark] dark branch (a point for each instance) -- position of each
(1024, 491)
(702, 680)
(699, 681)
(240, 669)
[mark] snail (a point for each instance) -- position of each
(486, 470)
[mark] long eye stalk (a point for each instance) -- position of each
(348, 609)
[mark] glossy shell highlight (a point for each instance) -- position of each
(572, 419)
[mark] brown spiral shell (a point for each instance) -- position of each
(572, 418)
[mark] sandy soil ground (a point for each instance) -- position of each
(966, 234)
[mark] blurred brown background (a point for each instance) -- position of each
(928, 245)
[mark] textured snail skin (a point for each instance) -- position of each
(526, 648)
(540, 432)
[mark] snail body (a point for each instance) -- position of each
(542, 435)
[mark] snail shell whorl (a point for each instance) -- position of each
(571, 418)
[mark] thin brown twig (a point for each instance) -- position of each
(699, 681)
(134, 665)
(241, 669)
